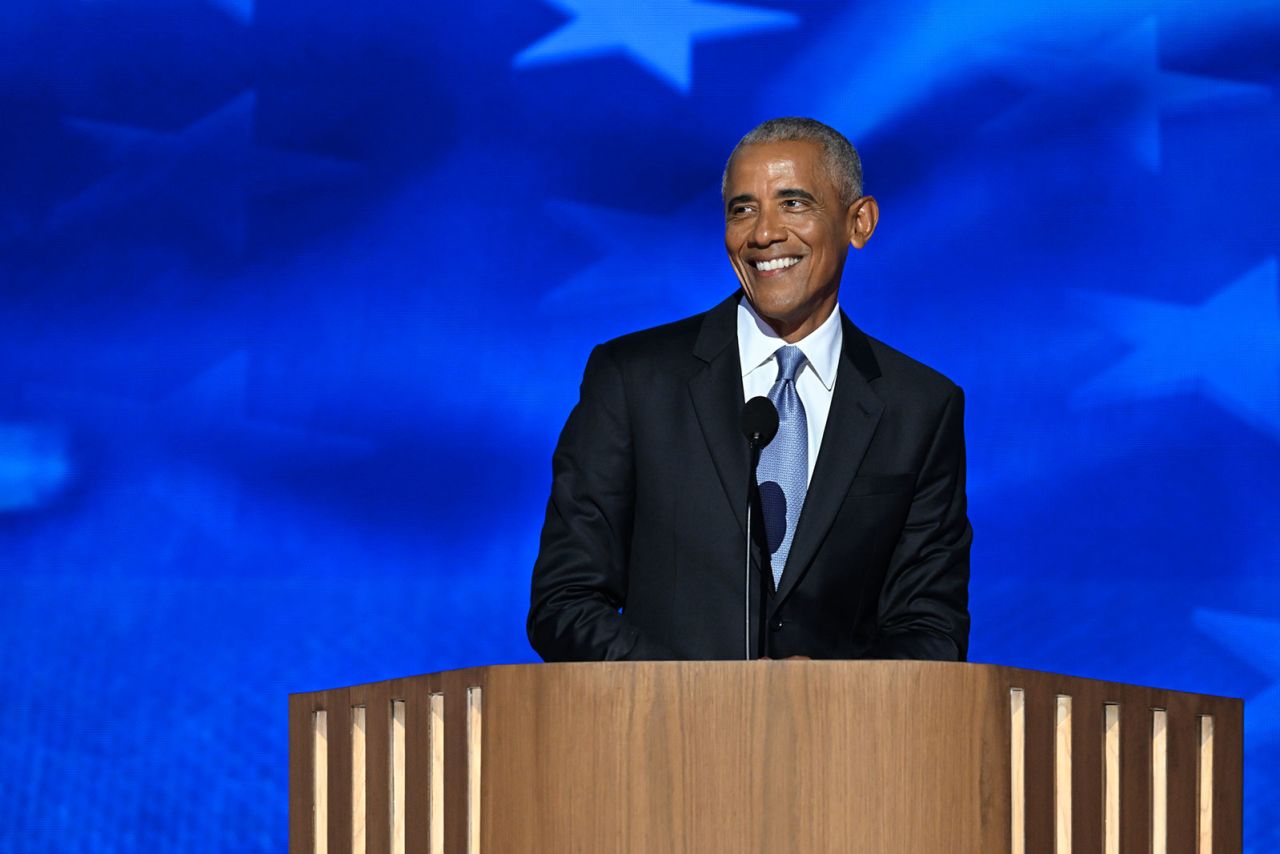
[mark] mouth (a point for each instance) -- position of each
(773, 266)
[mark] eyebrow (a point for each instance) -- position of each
(795, 193)
(785, 193)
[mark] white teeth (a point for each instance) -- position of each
(776, 264)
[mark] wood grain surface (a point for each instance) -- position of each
(708, 757)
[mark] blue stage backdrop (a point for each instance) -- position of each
(297, 295)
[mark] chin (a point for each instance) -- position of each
(776, 306)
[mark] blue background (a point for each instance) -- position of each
(297, 294)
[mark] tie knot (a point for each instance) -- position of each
(790, 360)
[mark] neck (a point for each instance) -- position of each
(792, 330)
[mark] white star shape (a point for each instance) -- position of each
(1227, 348)
(658, 34)
(1257, 641)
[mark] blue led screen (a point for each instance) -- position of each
(297, 295)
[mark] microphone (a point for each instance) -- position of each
(759, 422)
(759, 426)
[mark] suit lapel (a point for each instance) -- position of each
(716, 390)
(855, 412)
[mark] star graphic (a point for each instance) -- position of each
(1227, 348)
(634, 277)
(196, 181)
(1257, 641)
(960, 41)
(659, 34)
(1119, 85)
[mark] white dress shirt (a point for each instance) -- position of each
(757, 344)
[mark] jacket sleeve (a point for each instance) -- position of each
(924, 603)
(580, 575)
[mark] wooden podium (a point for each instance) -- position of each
(763, 756)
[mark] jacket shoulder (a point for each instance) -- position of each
(667, 344)
(908, 376)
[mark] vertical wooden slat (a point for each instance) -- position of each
(320, 781)
(417, 780)
(454, 686)
(301, 768)
(376, 697)
(338, 704)
(1017, 771)
(359, 775)
(1111, 779)
(1040, 710)
(1135, 773)
(1228, 776)
(437, 773)
(1204, 788)
(396, 770)
(1087, 735)
(474, 756)
(1183, 754)
(1159, 781)
(1062, 775)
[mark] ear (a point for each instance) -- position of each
(861, 220)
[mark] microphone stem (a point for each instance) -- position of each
(754, 446)
(746, 591)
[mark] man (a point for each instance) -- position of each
(864, 547)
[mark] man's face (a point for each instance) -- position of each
(787, 233)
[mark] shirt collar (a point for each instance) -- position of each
(757, 342)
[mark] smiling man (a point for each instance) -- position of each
(864, 547)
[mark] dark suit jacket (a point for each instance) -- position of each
(642, 551)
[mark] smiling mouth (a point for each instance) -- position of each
(772, 264)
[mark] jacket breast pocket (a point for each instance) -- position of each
(881, 484)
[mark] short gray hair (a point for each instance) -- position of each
(838, 154)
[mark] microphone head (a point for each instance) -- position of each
(759, 421)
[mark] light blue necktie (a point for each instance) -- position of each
(783, 474)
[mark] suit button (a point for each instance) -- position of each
(776, 625)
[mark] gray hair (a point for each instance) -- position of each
(838, 154)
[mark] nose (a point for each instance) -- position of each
(767, 229)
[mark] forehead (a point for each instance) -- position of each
(791, 163)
